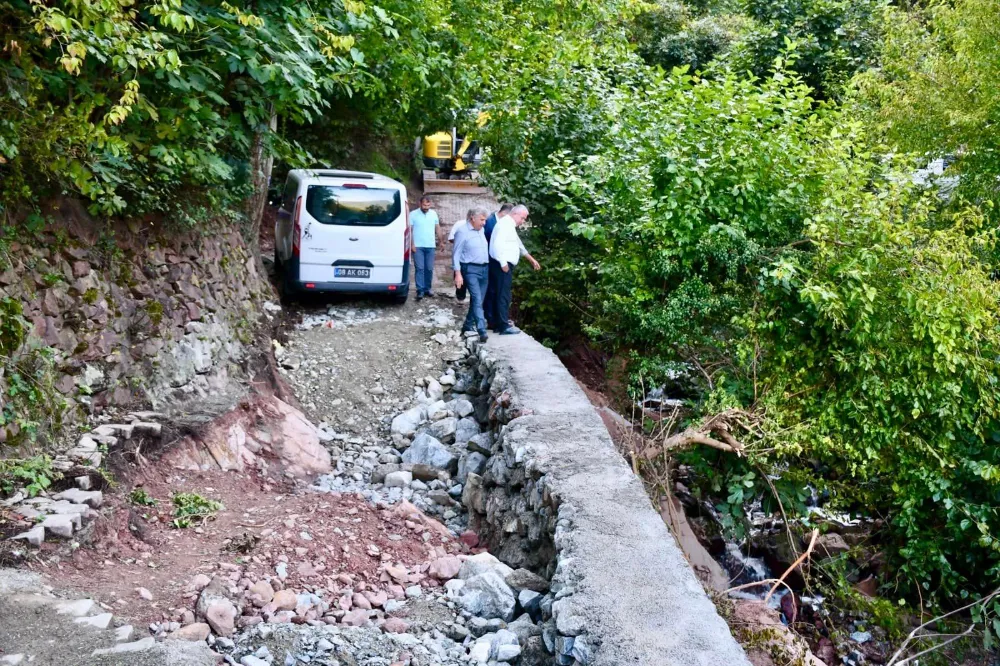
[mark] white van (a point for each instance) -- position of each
(343, 231)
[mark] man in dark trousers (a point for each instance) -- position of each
(470, 262)
(489, 303)
(506, 248)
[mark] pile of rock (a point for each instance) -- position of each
(88, 452)
(497, 614)
(64, 513)
(435, 444)
(480, 596)
(60, 514)
(510, 611)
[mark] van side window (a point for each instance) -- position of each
(288, 198)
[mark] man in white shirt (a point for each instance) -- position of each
(506, 249)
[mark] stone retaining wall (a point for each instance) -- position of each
(557, 497)
(123, 317)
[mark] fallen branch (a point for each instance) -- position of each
(796, 563)
(776, 581)
(689, 437)
(898, 659)
(715, 432)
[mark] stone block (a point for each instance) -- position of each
(61, 525)
(35, 536)
(102, 621)
(93, 498)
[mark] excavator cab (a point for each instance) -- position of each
(451, 155)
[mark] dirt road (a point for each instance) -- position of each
(369, 545)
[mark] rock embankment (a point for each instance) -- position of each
(558, 498)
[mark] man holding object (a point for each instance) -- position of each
(506, 248)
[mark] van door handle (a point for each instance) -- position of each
(353, 239)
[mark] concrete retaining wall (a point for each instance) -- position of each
(557, 497)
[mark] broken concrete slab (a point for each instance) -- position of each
(92, 498)
(102, 621)
(35, 536)
(76, 608)
(62, 525)
(136, 646)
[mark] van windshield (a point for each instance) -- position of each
(356, 207)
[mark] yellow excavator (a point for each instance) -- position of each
(450, 156)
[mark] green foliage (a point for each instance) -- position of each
(191, 508)
(32, 474)
(832, 39)
(13, 326)
(140, 497)
(154, 106)
(936, 93)
(741, 227)
(882, 364)
(154, 310)
(28, 397)
(671, 34)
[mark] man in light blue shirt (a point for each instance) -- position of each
(470, 260)
(425, 233)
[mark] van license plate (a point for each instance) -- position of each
(339, 272)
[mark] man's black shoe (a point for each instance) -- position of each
(483, 337)
(420, 297)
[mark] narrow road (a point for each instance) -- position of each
(365, 566)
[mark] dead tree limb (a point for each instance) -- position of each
(715, 432)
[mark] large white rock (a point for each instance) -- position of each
(77, 608)
(434, 390)
(93, 498)
(482, 563)
(407, 422)
(147, 643)
(62, 525)
(35, 536)
(461, 407)
(444, 429)
(102, 621)
(467, 429)
(488, 596)
(398, 479)
(427, 450)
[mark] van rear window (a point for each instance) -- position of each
(355, 207)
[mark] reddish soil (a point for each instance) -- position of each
(317, 536)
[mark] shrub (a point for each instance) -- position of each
(191, 508)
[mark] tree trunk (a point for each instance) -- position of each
(261, 162)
